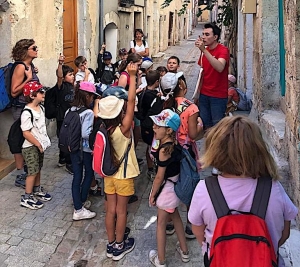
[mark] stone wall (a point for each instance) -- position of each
(292, 96)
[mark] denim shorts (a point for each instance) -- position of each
(33, 159)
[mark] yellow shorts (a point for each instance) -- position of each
(122, 187)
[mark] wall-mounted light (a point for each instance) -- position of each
(127, 26)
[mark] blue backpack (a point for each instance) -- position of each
(245, 103)
(5, 85)
(188, 177)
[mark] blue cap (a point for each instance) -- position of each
(117, 91)
(107, 55)
(167, 118)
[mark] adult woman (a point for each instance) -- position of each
(23, 71)
(139, 45)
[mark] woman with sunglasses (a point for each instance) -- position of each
(23, 71)
(139, 45)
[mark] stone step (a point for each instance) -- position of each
(6, 166)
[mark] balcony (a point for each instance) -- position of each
(126, 3)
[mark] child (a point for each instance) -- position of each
(106, 70)
(191, 126)
(240, 169)
(84, 96)
(33, 125)
(150, 94)
(173, 64)
(83, 73)
(233, 96)
(64, 90)
(162, 194)
(120, 186)
(162, 70)
(146, 66)
(123, 55)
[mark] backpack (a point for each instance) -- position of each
(107, 76)
(140, 113)
(102, 158)
(15, 138)
(188, 177)
(244, 103)
(70, 132)
(241, 239)
(134, 43)
(50, 103)
(156, 108)
(5, 85)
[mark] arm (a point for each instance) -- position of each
(59, 73)
(128, 118)
(96, 108)
(195, 126)
(144, 53)
(285, 233)
(17, 82)
(198, 231)
(86, 74)
(123, 81)
(30, 138)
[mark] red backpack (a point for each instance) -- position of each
(102, 160)
(241, 239)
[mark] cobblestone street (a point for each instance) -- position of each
(49, 237)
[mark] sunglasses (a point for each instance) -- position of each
(34, 48)
(42, 91)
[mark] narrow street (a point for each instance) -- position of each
(49, 237)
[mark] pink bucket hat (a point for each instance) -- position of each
(231, 78)
(88, 87)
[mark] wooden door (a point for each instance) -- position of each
(70, 48)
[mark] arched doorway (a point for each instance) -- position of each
(111, 39)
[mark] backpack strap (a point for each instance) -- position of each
(31, 115)
(261, 197)
(216, 196)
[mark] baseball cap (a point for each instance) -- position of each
(117, 91)
(30, 87)
(88, 87)
(123, 51)
(167, 118)
(231, 78)
(146, 64)
(110, 107)
(107, 55)
(169, 81)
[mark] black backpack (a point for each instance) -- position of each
(107, 76)
(156, 108)
(50, 103)
(15, 138)
(134, 42)
(70, 132)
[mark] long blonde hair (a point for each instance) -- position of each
(236, 146)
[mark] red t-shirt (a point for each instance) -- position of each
(235, 96)
(215, 84)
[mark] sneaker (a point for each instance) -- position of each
(69, 168)
(170, 230)
(83, 214)
(185, 256)
(31, 202)
(20, 180)
(151, 175)
(132, 199)
(87, 204)
(61, 162)
(119, 253)
(110, 248)
(189, 233)
(97, 192)
(153, 257)
(214, 171)
(140, 161)
(42, 195)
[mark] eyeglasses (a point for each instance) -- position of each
(42, 91)
(34, 48)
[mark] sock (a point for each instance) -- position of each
(36, 188)
(94, 187)
(112, 243)
(19, 172)
(27, 195)
(119, 245)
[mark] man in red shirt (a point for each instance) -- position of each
(214, 59)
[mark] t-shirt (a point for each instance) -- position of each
(81, 74)
(37, 128)
(64, 98)
(215, 84)
(187, 109)
(235, 96)
(138, 48)
(239, 193)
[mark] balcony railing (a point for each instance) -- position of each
(126, 3)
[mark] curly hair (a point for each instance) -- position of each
(19, 51)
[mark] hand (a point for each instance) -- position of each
(200, 44)
(87, 71)
(199, 122)
(196, 101)
(103, 46)
(61, 59)
(152, 201)
(40, 148)
(28, 73)
(132, 69)
(36, 70)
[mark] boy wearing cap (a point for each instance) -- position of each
(106, 70)
(233, 96)
(83, 73)
(33, 125)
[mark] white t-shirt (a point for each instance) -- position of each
(37, 128)
(138, 48)
(80, 77)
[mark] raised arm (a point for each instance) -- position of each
(59, 72)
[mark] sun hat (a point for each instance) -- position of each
(167, 118)
(231, 78)
(146, 64)
(169, 81)
(107, 55)
(117, 91)
(30, 87)
(110, 107)
(88, 87)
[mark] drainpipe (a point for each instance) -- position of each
(145, 18)
(101, 38)
(281, 47)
